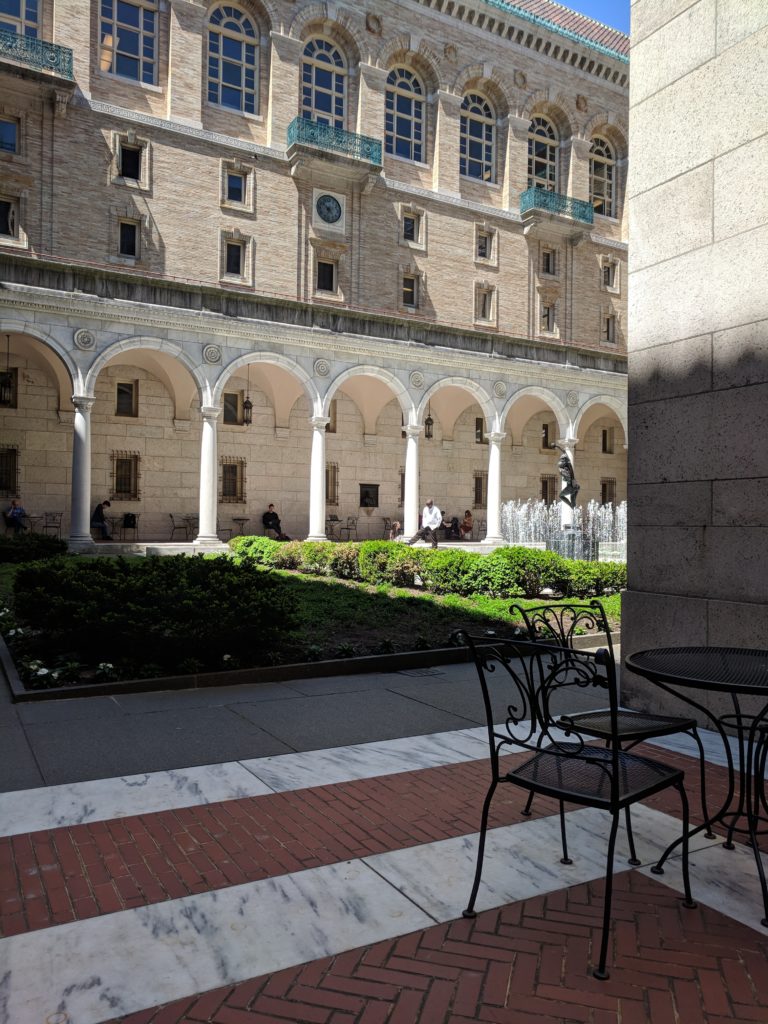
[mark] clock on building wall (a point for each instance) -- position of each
(328, 208)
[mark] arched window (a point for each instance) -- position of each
(323, 83)
(542, 155)
(129, 39)
(477, 139)
(20, 17)
(602, 167)
(233, 60)
(404, 115)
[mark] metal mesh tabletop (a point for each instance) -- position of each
(726, 669)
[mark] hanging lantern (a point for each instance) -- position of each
(428, 425)
(248, 404)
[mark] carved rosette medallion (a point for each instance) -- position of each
(500, 389)
(417, 379)
(85, 340)
(519, 79)
(572, 399)
(322, 367)
(581, 103)
(212, 354)
(373, 24)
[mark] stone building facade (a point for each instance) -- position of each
(390, 235)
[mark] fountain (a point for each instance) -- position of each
(599, 531)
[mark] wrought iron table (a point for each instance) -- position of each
(241, 521)
(736, 673)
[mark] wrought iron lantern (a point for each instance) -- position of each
(248, 404)
(6, 377)
(428, 425)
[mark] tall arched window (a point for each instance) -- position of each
(542, 155)
(233, 60)
(404, 115)
(129, 39)
(477, 139)
(20, 17)
(323, 83)
(602, 167)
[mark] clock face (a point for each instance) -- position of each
(328, 209)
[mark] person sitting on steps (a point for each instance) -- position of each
(431, 518)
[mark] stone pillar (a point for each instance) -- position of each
(516, 163)
(493, 531)
(370, 104)
(566, 512)
(207, 534)
(80, 505)
(185, 69)
(411, 496)
(578, 176)
(446, 158)
(284, 77)
(317, 479)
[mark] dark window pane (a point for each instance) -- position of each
(325, 276)
(235, 188)
(234, 258)
(127, 14)
(130, 162)
(8, 136)
(7, 219)
(231, 407)
(128, 239)
(128, 67)
(125, 404)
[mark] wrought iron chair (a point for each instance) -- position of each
(559, 624)
(568, 769)
(332, 524)
(177, 523)
(52, 522)
(387, 528)
(349, 529)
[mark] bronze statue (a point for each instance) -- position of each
(571, 489)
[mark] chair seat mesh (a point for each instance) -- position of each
(632, 725)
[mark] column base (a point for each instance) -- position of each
(213, 543)
(82, 543)
(497, 540)
(316, 537)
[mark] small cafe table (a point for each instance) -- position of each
(688, 672)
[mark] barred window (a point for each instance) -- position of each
(404, 115)
(332, 483)
(480, 490)
(125, 476)
(608, 491)
(549, 491)
(129, 39)
(233, 60)
(9, 472)
(232, 489)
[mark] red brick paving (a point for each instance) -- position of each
(68, 874)
(528, 963)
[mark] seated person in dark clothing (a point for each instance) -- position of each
(452, 531)
(14, 517)
(98, 522)
(271, 521)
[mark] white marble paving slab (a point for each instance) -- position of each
(284, 772)
(106, 967)
(714, 749)
(31, 810)
(521, 860)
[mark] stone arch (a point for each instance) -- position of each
(262, 11)
(556, 106)
(424, 60)
(386, 377)
(340, 28)
(486, 80)
(611, 128)
(66, 373)
(548, 398)
(281, 405)
(614, 404)
(478, 393)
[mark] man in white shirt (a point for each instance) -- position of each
(431, 518)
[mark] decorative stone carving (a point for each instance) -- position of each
(417, 379)
(373, 24)
(450, 52)
(572, 399)
(500, 389)
(581, 103)
(85, 340)
(322, 367)
(212, 354)
(520, 80)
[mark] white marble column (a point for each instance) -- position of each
(80, 505)
(317, 479)
(566, 512)
(493, 532)
(411, 496)
(206, 534)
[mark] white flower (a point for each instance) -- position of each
(226, 657)
(42, 672)
(106, 666)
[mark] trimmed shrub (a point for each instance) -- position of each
(30, 547)
(450, 572)
(256, 549)
(345, 561)
(316, 557)
(587, 579)
(520, 572)
(385, 561)
(286, 554)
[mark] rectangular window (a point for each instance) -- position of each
(332, 483)
(330, 426)
(547, 435)
(127, 398)
(125, 476)
(484, 303)
(232, 480)
(609, 274)
(9, 218)
(130, 162)
(548, 261)
(402, 487)
(609, 328)
(411, 227)
(235, 259)
(235, 187)
(129, 238)
(484, 243)
(326, 276)
(608, 491)
(410, 291)
(233, 408)
(549, 491)
(128, 39)
(607, 441)
(9, 135)
(369, 495)
(480, 490)
(9, 472)
(480, 437)
(548, 319)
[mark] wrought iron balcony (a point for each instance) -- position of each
(37, 54)
(304, 132)
(555, 202)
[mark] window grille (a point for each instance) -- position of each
(549, 489)
(232, 484)
(125, 476)
(332, 483)
(480, 490)
(9, 472)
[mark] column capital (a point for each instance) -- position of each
(83, 403)
(319, 422)
(496, 436)
(568, 442)
(413, 429)
(210, 412)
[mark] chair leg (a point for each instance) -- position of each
(470, 908)
(565, 859)
(633, 858)
(600, 972)
(702, 782)
(527, 809)
(689, 900)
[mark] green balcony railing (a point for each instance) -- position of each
(555, 202)
(325, 136)
(37, 53)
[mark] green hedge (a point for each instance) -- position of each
(506, 572)
(30, 547)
